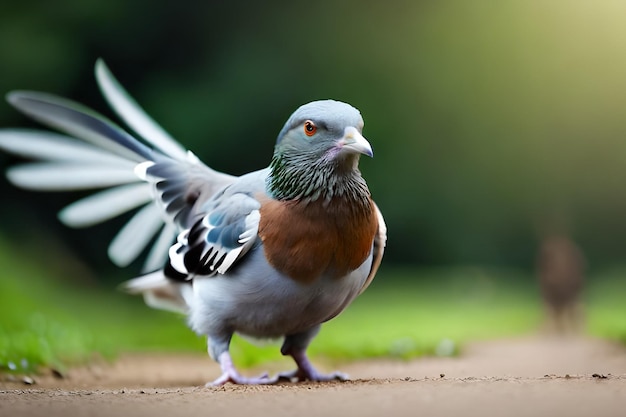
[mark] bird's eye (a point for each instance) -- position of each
(309, 128)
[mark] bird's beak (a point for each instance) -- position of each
(353, 141)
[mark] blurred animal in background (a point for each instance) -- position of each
(561, 268)
(273, 253)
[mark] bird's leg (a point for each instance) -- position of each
(230, 374)
(295, 346)
(218, 350)
(307, 372)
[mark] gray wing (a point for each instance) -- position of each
(98, 154)
(222, 234)
(380, 240)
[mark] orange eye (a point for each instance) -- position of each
(309, 128)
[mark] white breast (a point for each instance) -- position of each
(255, 300)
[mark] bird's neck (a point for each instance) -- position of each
(297, 179)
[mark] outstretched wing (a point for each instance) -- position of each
(98, 154)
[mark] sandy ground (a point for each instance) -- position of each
(523, 377)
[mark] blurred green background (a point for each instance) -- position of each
(493, 123)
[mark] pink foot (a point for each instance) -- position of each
(230, 374)
(298, 376)
(236, 378)
(307, 372)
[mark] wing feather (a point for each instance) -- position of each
(135, 235)
(43, 176)
(134, 116)
(105, 205)
(380, 240)
(80, 121)
(40, 144)
(219, 239)
(157, 257)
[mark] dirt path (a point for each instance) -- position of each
(523, 377)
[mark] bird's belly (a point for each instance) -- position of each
(257, 301)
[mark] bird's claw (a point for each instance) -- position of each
(305, 372)
(236, 378)
(291, 376)
(300, 375)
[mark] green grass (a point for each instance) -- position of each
(606, 310)
(405, 313)
(54, 321)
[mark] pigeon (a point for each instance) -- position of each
(268, 255)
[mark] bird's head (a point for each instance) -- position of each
(317, 152)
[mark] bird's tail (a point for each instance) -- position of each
(160, 292)
(95, 153)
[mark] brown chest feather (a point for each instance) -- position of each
(304, 241)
